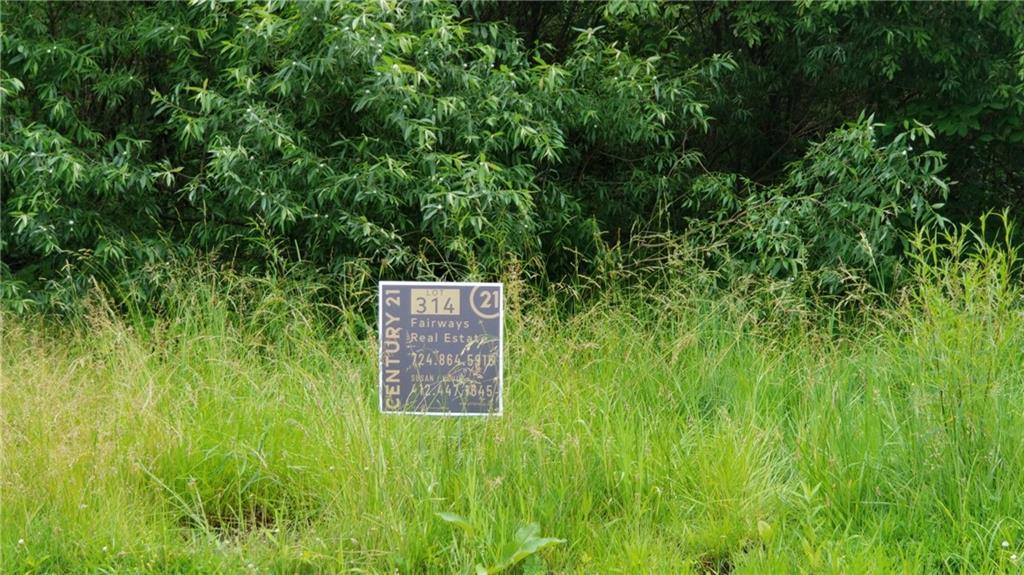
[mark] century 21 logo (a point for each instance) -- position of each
(485, 302)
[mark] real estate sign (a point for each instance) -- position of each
(441, 347)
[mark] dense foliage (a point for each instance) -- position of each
(444, 138)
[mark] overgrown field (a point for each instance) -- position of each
(677, 430)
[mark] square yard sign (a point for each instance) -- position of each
(441, 347)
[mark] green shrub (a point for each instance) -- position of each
(439, 139)
(397, 135)
(844, 212)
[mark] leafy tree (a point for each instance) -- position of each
(443, 139)
(395, 135)
(804, 68)
(843, 210)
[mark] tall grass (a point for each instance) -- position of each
(676, 431)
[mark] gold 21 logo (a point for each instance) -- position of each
(485, 301)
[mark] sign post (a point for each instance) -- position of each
(441, 348)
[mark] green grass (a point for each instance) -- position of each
(672, 431)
